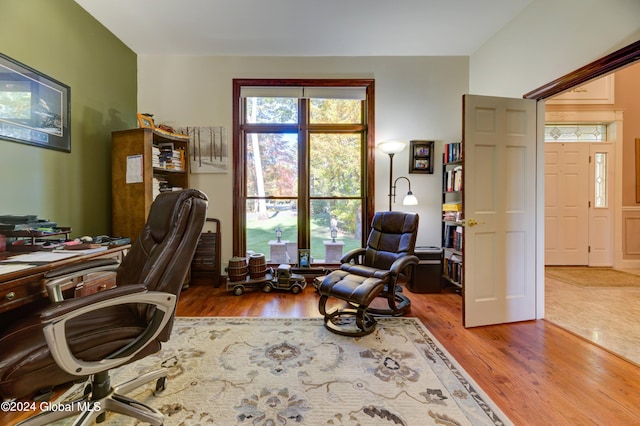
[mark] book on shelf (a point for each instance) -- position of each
(158, 185)
(452, 216)
(155, 157)
(452, 207)
(452, 238)
(453, 268)
(169, 157)
(453, 179)
(453, 152)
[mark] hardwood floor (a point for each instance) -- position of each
(536, 372)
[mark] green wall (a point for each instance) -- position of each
(61, 40)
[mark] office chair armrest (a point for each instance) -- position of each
(402, 263)
(57, 277)
(66, 306)
(353, 255)
(57, 317)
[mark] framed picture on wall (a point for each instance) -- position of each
(421, 157)
(34, 108)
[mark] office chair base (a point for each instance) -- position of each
(89, 410)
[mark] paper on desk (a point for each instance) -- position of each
(39, 257)
(82, 251)
(134, 169)
(6, 268)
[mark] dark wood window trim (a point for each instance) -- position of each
(239, 155)
(598, 68)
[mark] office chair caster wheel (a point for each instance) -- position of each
(161, 384)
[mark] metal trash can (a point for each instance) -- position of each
(426, 276)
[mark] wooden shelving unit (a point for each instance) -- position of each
(452, 217)
(134, 170)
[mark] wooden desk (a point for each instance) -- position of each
(26, 286)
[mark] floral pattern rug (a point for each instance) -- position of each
(268, 371)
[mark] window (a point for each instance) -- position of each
(575, 132)
(601, 199)
(303, 166)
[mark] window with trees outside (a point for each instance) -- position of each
(303, 168)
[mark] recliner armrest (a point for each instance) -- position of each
(352, 255)
(402, 263)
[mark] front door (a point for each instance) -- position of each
(566, 203)
(499, 143)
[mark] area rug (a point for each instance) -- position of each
(592, 277)
(268, 371)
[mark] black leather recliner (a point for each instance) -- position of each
(85, 337)
(371, 272)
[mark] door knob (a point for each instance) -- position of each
(471, 222)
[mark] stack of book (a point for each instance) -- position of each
(451, 216)
(155, 158)
(170, 158)
(156, 184)
(453, 237)
(453, 179)
(453, 152)
(452, 207)
(453, 268)
(177, 160)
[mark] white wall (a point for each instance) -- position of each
(416, 98)
(549, 39)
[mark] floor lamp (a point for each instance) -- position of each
(391, 148)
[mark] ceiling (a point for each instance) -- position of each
(304, 27)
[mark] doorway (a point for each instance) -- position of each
(579, 186)
(617, 60)
(607, 304)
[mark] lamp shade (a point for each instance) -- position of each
(409, 199)
(391, 147)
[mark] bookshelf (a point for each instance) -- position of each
(144, 162)
(452, 216)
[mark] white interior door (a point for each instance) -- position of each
(499, 143)
(566, 210)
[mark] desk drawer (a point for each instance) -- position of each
(19, 292)
(94, 283)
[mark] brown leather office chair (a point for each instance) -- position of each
(371, 272)
(87, 336)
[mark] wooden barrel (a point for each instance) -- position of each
(257, 265)
(237, 269)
